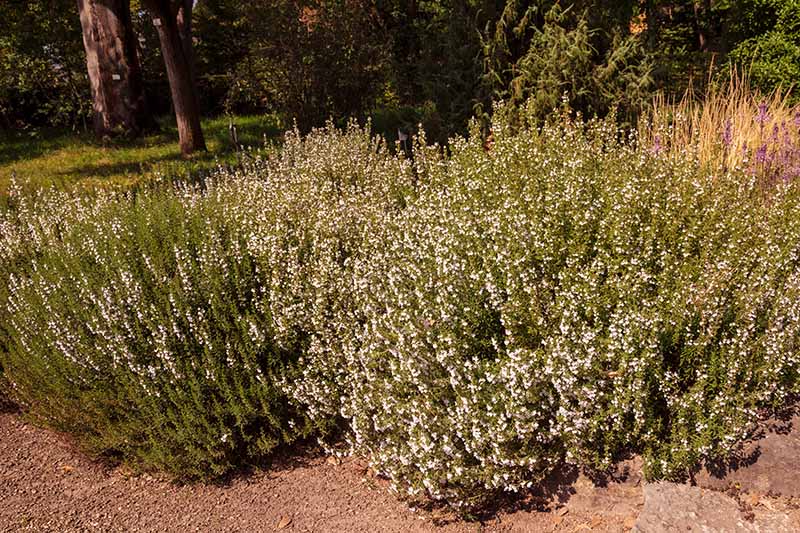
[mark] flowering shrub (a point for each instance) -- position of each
(158, 327)
(468, 321)
(567, 296)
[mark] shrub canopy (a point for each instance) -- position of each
(467, 320)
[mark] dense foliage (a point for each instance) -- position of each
(42, 65)
(545, 53)
(774, 54)
(467, 321)
(406, 62)
(312, 62)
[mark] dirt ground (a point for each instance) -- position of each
(46, 485)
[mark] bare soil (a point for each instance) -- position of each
(47, 485)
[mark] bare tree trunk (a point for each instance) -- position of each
(184, 20)
(176, 48)
(115, 75)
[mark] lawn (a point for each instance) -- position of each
(63, 158)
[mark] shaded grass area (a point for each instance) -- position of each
(66, 159)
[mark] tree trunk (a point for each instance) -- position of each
(166, 15)
(184, 20)
(115, 75)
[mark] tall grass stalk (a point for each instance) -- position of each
(730, 126)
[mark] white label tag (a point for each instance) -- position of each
(116, 77)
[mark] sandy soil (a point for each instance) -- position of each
(47, 485)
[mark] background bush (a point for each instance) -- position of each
(773, 57)
(43, 80)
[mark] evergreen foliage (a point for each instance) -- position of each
(542, 54)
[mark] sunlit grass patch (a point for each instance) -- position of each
(65, 159)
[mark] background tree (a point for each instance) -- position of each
(540, 52)
(684, 38)
(113, 66)
(222, 46)
(400, 62)
(436, 58)
(172, 19)
(314, 60)
(42, 66)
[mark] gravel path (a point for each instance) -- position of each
(46, 485)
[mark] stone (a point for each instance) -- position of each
(672, 507)
(768, 465)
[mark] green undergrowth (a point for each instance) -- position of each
(64, 159)
(468, 321)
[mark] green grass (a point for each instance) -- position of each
(66, 159)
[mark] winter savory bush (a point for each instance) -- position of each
(467, 321)
(568, 296)
(158, 327)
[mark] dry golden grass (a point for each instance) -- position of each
(725, 127)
